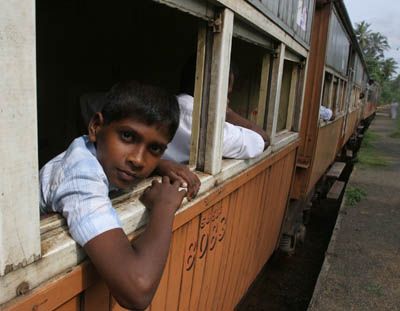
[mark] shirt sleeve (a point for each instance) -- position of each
(241, 143)
(83, 200)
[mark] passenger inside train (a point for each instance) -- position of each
(124, 145)
(326, 114)
(243, 139)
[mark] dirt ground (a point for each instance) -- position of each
(362, 266)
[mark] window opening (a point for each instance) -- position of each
(287, 95)
(101, 45)
(246, 64)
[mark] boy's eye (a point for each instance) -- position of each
(127, 136)
(156, 149)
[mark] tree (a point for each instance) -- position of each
(362, 32)
(378, 44)
(381, 69)
(389, 67)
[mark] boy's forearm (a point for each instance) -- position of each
(153, 245)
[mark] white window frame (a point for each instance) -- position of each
(19, 200)
(282, 138)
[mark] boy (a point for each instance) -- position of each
(242, 138)
(124, 145)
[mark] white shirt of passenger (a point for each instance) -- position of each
(239, 142)
(325, 113)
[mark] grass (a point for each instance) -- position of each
(396, 133)
(375, 289)
(354, 195)
(369, 155)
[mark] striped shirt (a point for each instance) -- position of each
(74, 184)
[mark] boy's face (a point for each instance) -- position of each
(127, 149)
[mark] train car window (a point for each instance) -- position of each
(287, 95)
(327, 91)
(246, 64)
(342, 96)
(102, 44)
(353, 99)
(335, 95)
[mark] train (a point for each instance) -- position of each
(294, 56)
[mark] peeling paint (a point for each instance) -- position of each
(12, 267)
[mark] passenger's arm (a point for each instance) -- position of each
(132, 272)
(241, 143)
(182, 173)
(236, 119)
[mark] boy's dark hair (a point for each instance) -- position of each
(145, 103)
(189, 71)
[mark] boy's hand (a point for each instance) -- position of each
(181, 173)
(163, 195)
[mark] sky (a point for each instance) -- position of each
(384, 17)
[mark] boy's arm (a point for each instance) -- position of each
(132, 272)
(182, 173)
(236, 119)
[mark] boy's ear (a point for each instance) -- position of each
(95, 125)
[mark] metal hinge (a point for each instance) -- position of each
(216, 23)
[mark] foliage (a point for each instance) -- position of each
(354, 195)
(381, 69)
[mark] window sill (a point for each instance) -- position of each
(282, 139)
(323, 123)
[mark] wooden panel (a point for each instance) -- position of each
(352, 123)
(57, 292)
(71, 305)
(189, 262)
(221, 228)
(213, 255)
(97, 297)
(160, 297)
(325, 153)
(175, 268)
(226, 259)
(200, 262)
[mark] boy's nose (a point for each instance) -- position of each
(136, 157)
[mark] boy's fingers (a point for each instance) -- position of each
(194, 184)
(178, 178)
(154, 182)
(183, 193)
(176, 183)
(165, 179)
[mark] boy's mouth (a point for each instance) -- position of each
(128, 177)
